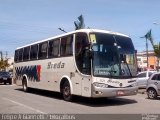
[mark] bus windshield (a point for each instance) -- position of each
(113, 56)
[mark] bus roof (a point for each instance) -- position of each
(76, 31)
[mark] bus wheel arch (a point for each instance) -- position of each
(66, 89)
(25, 83)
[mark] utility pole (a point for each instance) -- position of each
(158, 56)
(147, 52)
(6, 55)
(1, 55)
(148, 36)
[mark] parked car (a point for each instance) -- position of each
(153, 86)
(142, 78)
(5, 77)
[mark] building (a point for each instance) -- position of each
(10, 61)
(142, 60)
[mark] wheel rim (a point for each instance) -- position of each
(66, 91)
(25, 86)
(151, 94)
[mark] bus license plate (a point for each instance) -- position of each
(120, 93)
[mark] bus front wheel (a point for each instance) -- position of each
(66, 91)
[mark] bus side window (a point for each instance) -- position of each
(66, 46)
(33, 53)
(26, 53)
(53, 49)
(42, 50)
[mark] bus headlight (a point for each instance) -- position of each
(101, 85)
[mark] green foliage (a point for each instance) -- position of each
(157, 50)
(4, 64)
(79, 24)
(149, 37)
(156, 47)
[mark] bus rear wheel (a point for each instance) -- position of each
(66, 91)
(24, 84)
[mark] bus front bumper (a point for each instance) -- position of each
(113, 92)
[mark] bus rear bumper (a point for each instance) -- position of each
(113, 92)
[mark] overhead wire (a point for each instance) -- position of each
(23, 29)
(16, 28)
(25, 25)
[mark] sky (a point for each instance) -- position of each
(26, 21)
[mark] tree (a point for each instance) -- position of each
(4, 64)
(156, 47)
(79, 24)
(157, 50)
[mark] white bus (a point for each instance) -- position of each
(87, 62)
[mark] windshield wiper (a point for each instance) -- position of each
(116, 44)
(128, 67)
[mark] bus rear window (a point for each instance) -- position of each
(16, 55)
(20, 58)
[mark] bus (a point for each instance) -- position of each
(87, 62)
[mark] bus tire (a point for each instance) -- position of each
(5, 82)
(24, 84)
(66, 91)
(10, 82)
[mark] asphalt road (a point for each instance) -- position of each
(14, 100)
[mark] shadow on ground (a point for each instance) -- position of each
(2, 84)
(92, 102)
